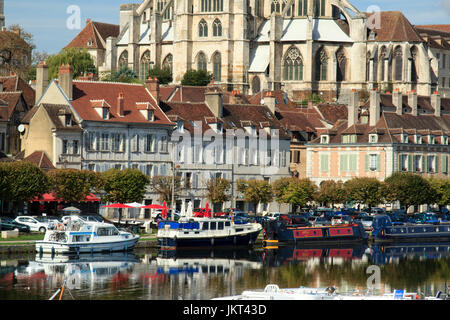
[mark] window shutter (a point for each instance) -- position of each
(436, 164)
(378, 163)
(410, 163)
(414, 164)
(366, 162)
(353, 162)
(324, 163)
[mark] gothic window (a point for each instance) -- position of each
(279, 5)
(145, 66)
(211, 5)
(166, 14)
(302, 7)
(217, 61)
(398, 64)
(381, 62)
(168, 62)
(414, 73)
(201, 61)
(293, 65)
(123, 60)
(319, 8)
(217, 28)
(276, 6)
(256, 85)
(321, 65)
(202, 29)
(341, 65)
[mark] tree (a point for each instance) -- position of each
(80, 60)
(279, 188)
(125, 75)
(331, 192)
(122, 186)
(408, 188)
(299, 192)
(163, 186)
(367, 191)
(217, 190)
(441, 190)
(196, 78)
(164, 75)
(73, 185)
(255, 191)
(26, 36)
(15, 50)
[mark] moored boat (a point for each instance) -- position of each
(385, 230)
(85, 237)
(207, 232)
(287, 231)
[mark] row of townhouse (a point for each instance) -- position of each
(197, 133)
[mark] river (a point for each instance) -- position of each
(202, 275)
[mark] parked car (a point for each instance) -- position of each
(377, 211)
(273, 215)
(7, 223)
(34, 223)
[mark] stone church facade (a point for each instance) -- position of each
(327, 47)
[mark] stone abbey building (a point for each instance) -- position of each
(326, 47)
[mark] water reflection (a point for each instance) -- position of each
(201, 275)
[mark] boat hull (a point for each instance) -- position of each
(85, 247)
(280, 233)
(247, 239)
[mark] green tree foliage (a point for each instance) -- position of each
(22, 181)
(218, 190)
(164, 75)
(279, 188)
(368, 191)
(409, 189)
(331, 192)
(255, 191)
(441, 190)
(196, 78)
(162, 185)
(122, 186)
(124, 75)
(73, 185)
(298, 192)
(80, 60)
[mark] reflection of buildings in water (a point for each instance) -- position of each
(394, 253)
(191, 277)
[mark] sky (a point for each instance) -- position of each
(54, 23)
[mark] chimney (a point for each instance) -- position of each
(353, 108)
(213, 99)
(120, 105)
(66, 80)
(152, 86)
(233, 99)
(270, 101)
(436, 103)
(375, 108)
(397, 101)
(41, 80)
(412, 101)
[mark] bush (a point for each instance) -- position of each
(164, 75)
(197, 78)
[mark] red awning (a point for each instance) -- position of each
(49, 197)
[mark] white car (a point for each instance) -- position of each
(273, 215)
(156, 212)
(33, 223)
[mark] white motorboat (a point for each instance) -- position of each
(207, 232)
(273, 292)
(85, 237)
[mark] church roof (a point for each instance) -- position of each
(394, 26)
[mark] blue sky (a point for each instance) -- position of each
(47, 19)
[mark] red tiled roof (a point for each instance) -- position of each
(16, 84)
(41, 159)
(439, 27)
(86, 91)
(96, 33)
(395, 27)
(12, 99)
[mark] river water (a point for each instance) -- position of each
(201, 275)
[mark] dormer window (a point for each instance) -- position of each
(68, 120)
(364, 119)
(219, 127)
(418, 139)
(105, 113)
(444, 140)
(431, 139)
(324, 139)
(150, 115)
(373, 138)
(180, 126)
(349, 138)
(89, 43)
(405, 138)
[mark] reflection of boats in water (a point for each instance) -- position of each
(385, 253)
(206, 261)
(290, 254)
(273, 292)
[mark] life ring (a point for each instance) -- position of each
(60, 227)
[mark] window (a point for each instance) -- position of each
(349, 138)
(321, 65)
(220, 225)
(201, 62)
(295, 156)
(168, 63)
(418, 139)
(431, 139)
(65, 147)
(319, 8)
(105, 142)
(444, 140)
(217, 61)
(341, 65)
(68, 120)
(145, 66)
(118, 142)
(123, 60)
(212, 225)
(2, 141)
(202, 29)
(431, 164)
(324, 163)
(403, 162)
(444, 163)
(135, 143)
(414, 73)
(205, 226)
(293, 65)
(217, 28)
(180, 126)
(373, 162)
(324, 139)
(211, 5)
(105, 113)
(373, 138)
(418, 163)
(398, 64)
(149, 143)
(302, 7)
(149, 170)
(164, 144)
(75, 147)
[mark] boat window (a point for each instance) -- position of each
(220, 225)
(102, 232)
(239, 230)
(213, 226)
(205, 226)
(227, 223)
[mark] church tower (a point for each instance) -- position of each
(2, 14)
